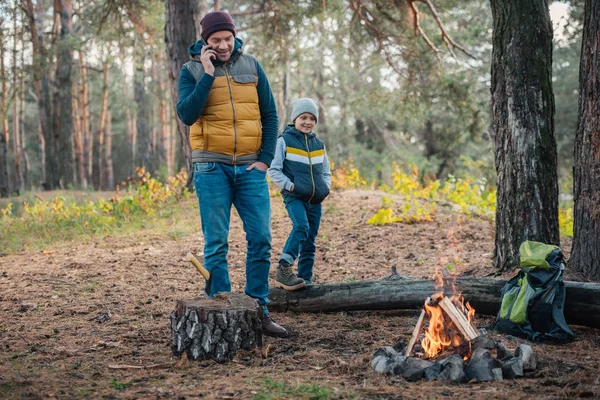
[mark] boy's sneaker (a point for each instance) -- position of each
(286, 279)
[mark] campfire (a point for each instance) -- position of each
(451, 328)
(451, 347)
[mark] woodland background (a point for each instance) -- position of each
(98, 69)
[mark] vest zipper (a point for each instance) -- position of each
(312, 178)
(234, 117)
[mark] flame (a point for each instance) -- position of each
(441, 335)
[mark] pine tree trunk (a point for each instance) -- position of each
(182, 28)
(523, 112)
(110, 176)
(87, 139)
(321, 85)
(38, 72)
(142, 102)
(65, 153)
(216, 328)
(78, 137)
(18, 187)
(585, 253)
(99, 158)
(4, 139)
(163, 132)
(23, 149)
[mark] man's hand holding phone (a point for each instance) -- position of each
(206, 55)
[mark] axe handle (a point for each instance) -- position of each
(190, 257)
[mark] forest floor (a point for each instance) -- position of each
(52, 344)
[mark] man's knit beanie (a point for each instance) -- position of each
(305, 105)
(216, 21)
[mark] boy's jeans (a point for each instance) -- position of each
(218, 186)
(306, 219)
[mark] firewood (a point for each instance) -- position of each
(417, 331)
(459, 319)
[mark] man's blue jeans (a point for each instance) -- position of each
(218, 187)
(306, 219)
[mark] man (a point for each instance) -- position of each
(225, 97)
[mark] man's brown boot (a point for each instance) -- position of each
(270, 328)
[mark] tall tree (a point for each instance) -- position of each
(38, 61)
(17, 148)
(182, 28)
(86, 137)
(585, 253)
(523, 124)
(4, 138)
(65, 65)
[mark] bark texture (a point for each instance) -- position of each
(216, 328)
(182, 28)
(65, 83)
(523, 123)
(144, 109)
(582, 306)
(4, 138)
(38, 61)
(585, 253)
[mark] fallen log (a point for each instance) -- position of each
(582, 306)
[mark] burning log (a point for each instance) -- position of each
(417, 331)
(459, 319)
(582, 306)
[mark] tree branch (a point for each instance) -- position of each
(419, 30)
(450, 43)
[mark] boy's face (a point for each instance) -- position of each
(222, 43)
(305, 123)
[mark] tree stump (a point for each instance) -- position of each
(216, 328)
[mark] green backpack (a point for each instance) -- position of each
(532, 303)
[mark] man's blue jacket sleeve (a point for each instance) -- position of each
(191, 96)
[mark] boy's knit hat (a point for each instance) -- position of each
(305, 105)
(217, 21)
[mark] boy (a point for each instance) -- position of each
(301, 170)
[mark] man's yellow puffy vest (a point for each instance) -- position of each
(229, 129)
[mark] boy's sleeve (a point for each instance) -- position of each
(326, 170)
(192, 96)
(268, 117)
(275, 171)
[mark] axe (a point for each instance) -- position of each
(190, 257)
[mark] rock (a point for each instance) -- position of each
(502, 353)
(387, 351)
(382, 364)
(497, 373)
(413, 368)
(400, 346)
(528, 356)
(512, 368)
(484, 342)
(453, 369)
(386, 360)
(433, 372)
(481, 365)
